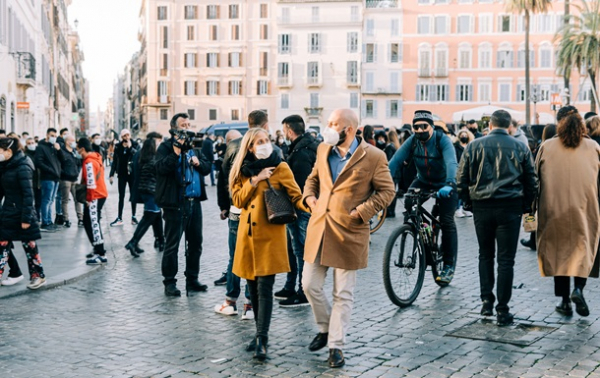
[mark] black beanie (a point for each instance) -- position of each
(589, 115)
(423, 115)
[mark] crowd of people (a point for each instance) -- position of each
(334, 183)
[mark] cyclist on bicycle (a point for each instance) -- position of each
(435, 159)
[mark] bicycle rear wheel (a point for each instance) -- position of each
(403, 266)
(377, 221)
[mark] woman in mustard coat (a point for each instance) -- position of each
(261, 248)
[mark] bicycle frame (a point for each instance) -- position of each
(418, 214)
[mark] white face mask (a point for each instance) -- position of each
(97, 142)
(73, 145)
(330, 136)
(52, 140)
(263, 151)
(23, 142)
(31, 147)
(2, 157)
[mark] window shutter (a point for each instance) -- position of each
(511, 59)
(374, 108)
(518, 92)
(499, 59)
(374, 53)
(470, 92)
(240, 87)
(446, 93)
(400, 52)
(458, 93)
(389, 52)
(218, 88)
(417, 97)
(363, 108)
(388, 109)
(229, 88)
(218, 60)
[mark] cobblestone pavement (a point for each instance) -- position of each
(118, 323)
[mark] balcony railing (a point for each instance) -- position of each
(382, 3)
(441, 72)
(25, 63)
(313, 81)
(284, 81)
(313, 112)
(263, 71)
(424, 72)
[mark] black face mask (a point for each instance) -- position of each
(473, 129)
(464, 140)
(343, 136)
(423, 137)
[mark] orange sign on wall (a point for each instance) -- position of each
(556, 99)
(22, 105)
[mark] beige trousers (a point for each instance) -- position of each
(333, 320)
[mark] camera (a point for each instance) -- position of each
(185, 135)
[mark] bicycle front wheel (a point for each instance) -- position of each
(403, 266)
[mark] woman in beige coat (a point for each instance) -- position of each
(568, 216)
(261, 248)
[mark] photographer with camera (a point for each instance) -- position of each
(179, 191)
(122, 158)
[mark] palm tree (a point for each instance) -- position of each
(566, 78)
(527, 8)
(579, 45)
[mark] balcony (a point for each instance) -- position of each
(425, 72)
(378, 4)
(284, 81)
(313, 81)
(391, 90)
(163, 101)
(263, 71)
(25, 63)
(353, 81)
(441, 72)
(313, 112)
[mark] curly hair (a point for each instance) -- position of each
(570, 129)
(593, 126)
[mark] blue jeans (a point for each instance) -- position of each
(149, 203)
(58, 202)
(297, 234)
(233, 281)
(49, 190)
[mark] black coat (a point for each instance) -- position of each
(71, 165)
(208, 150)
(47, 160)
(302, 157)
(16, 188)
(36, 172)
(390, 150)
(169, 190)
(121, 159)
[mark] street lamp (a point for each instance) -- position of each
(76, 22)
(535, 98)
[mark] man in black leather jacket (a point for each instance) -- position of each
(496, 174)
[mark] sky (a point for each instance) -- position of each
(108, 38)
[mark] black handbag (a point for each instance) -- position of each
(280, 209)
(81, 193)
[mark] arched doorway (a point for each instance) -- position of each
(12, 117)
(2, 113)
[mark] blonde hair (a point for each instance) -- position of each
(393, 138)
(593, 126)
(245, 145)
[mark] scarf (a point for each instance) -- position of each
(252, 166)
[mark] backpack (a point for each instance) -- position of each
(409, 168)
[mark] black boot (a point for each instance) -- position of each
(564, 308)
(171, 290)
(131, 247)
(260, 353)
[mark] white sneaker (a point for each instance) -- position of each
(227, 308)
(36, 283)
(248, 314)
(12, 280)
(468, 214)
(459, 213)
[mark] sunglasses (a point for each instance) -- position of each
(420, 127)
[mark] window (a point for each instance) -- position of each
(162, 13)
(485, 56)
(464, 92)
(264, 10)
(212, 60)
(464, 57)
(212, 12)
(190, 60)
(212, 114)
(283, 72)
(312, 74)
(190, 88)
(264, 31)
(235, 32)
(212, 88)
(264, 63)
(352, 42)
(585, 93)
(284, 43)
(191, 12)
(213, 34)
(504, 92)
(485, 92)
(354, 14)
(165, 37)
(164, 114)
(235, 114)
(505, 59)
(235, 59)
(546, 58)
(165, 62)
(422, 93)
(315, 14)
(371, 53)
(234, 11)
(395, 28)
(192, 114)
(314, 100)
(521, 59)
(485, 23)
(424, 63)
(395, 55)
(285, 101)
(352, 72)
(370, 27)
(394, 82)
(463, 24)
(423, 24)
(235, 88)
(504, 24)
(441, 25)
(370, 109)
(439, 92)
(353, 100)
(162, 89)
(392, 109)
(369, 81)
(285, 15)
(262, 87)
(544, 92)
(545, 23)
(441, 62)
(314, 43)
(190, 33)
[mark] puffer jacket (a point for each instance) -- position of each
(16, 188)
(71, 165)
(497, 167)
(147, 177)
(302, 157)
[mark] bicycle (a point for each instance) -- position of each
(376, 222)
(411, 248)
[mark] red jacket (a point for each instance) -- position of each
(93, 177)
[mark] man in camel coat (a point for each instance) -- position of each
(349, 184)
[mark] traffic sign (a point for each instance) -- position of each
(556, 100)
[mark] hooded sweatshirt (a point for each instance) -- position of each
(93, 177)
